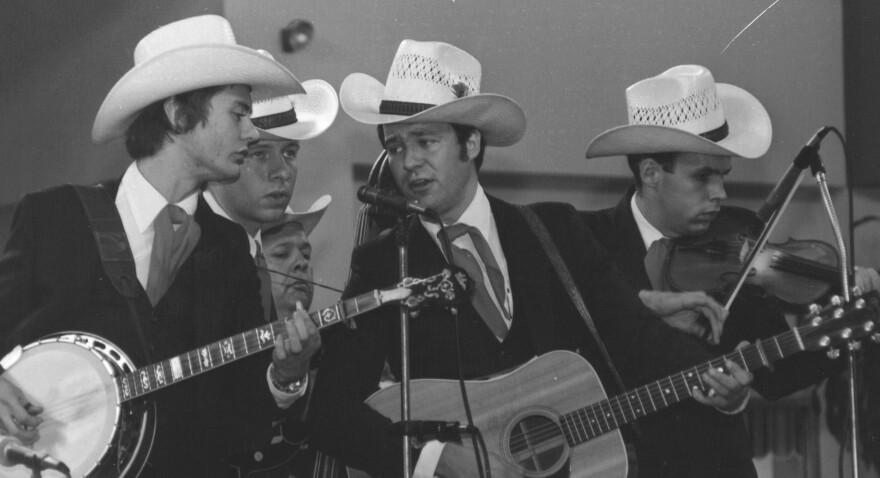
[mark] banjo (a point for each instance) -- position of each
(96, 418)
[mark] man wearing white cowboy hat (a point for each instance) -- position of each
(434, 124)
(261, 194)
(288, 263)
(184, 113)
(683, 130)
(288, 251)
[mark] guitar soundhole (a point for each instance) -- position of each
(536, 443)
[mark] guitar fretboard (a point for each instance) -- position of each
(599, 418)
(161, 374)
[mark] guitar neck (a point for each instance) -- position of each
(596, 419)
(161, 374)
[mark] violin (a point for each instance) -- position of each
(797, 272)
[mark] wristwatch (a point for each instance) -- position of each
(291, 388)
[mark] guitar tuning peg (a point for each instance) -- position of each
(875, 338)
(824, 341)
(838, 313)
(856, 291)
(860, 304)
(846, 333)
(854, 345)
(835, 300)
(817, 321)
(814, 309)
(833, 353)
(869, 326)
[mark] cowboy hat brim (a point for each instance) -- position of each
(750, 133)
(186, 69)
(308, 219)
(315, 112)
(500, 120)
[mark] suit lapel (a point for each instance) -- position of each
(517, 244)
(206, 261)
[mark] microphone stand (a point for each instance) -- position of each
(818, 171)
(402, 241)
(852, 346)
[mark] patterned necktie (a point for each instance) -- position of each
(655, 262)
(175, 237)
(481, 299)
(265, 285)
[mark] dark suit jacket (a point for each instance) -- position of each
(544, 320)
(52, 280)
(690, 434)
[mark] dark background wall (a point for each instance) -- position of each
(861, 36)
(57, 62)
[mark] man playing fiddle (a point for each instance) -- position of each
(683, 131)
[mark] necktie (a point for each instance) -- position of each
(175, 237)
(265, 285)
(481, 299)
(655, 262)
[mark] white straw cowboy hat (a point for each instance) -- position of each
(433, 82)
(308, 219)
(186, 55)
(297, 117)
(683, 110)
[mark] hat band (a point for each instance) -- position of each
(275, 120)
(717, 134)
(402, 108)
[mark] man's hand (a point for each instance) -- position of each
(295, 348)
(728, 392)
(695, 313)
(458, 460)
(867, 279)
(18, 417)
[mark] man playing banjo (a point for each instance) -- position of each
(184, 112)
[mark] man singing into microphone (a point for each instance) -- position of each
(683, 131)
(435, 125)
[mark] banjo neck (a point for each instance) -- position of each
(159, 375)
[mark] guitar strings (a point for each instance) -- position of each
(75, 406)
(618, 415)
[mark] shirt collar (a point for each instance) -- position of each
(478, 214)
(646, 229)
(146, 201)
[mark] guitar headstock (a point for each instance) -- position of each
(452, 286)
(840, 322)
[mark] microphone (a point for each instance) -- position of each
(808, 156)
(389, 200)
(12, 453)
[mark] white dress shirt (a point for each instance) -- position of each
(138, 203)
(479, 215)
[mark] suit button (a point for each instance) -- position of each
(153, 318)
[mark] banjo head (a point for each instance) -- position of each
(72, 377)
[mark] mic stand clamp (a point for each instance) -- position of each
(423, 431)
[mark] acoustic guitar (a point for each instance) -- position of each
(534, 418)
